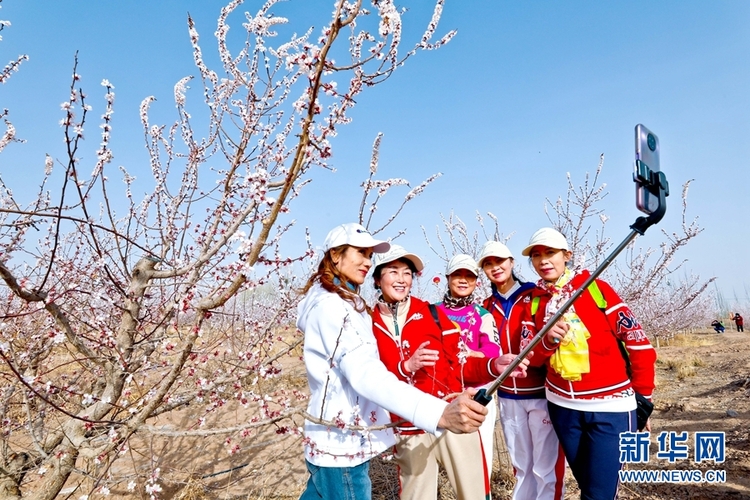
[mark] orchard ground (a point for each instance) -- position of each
(703, 384)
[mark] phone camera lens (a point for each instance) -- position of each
(651, 142)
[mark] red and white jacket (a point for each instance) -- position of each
(419, 326)
(608, 378)
(512, 333)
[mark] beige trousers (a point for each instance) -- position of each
(461, 455)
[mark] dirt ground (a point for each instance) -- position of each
(703, 384)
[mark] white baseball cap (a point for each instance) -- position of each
(462, 261)
(354, 235)
(494, 249)
(397, 252)
(546, 237)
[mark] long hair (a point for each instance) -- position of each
(333, 281)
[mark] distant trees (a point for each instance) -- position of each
(664, 295)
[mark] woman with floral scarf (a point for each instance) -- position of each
(596, 364)
(478, 332)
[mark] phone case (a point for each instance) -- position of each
(646, 161)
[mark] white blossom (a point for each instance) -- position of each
(48, 164)
(179, 90)
(260, 25)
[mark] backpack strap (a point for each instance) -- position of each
(434, 314)
(534, 305)
(598, 296)
(601, 303)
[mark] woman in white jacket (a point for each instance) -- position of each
(350, 389)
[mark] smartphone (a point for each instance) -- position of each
(646, 170)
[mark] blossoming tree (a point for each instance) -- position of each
(116, 317)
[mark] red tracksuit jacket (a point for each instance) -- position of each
(445, 377)
(511, 330)
(608, 374)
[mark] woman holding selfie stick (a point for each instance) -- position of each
(538, 461)
(349, 385)
(591, 384)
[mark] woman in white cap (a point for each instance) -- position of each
(478, 332)
(538, 461)
(597, 365)
(348, 382)
(420, 345)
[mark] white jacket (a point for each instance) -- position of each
(349, 384)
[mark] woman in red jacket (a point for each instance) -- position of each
(419, 344)
(591, 384)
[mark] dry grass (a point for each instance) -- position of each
(683, 367)
(195, 489)
(692, 340)
(685, 371)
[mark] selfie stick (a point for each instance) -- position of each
(656, 183)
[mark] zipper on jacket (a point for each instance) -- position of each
(396, 331)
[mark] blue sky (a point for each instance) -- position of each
(526, 92)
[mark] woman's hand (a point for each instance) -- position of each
(505, 360)
(557, 333)
(463, 414)
(422, 357)
(474, 354)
